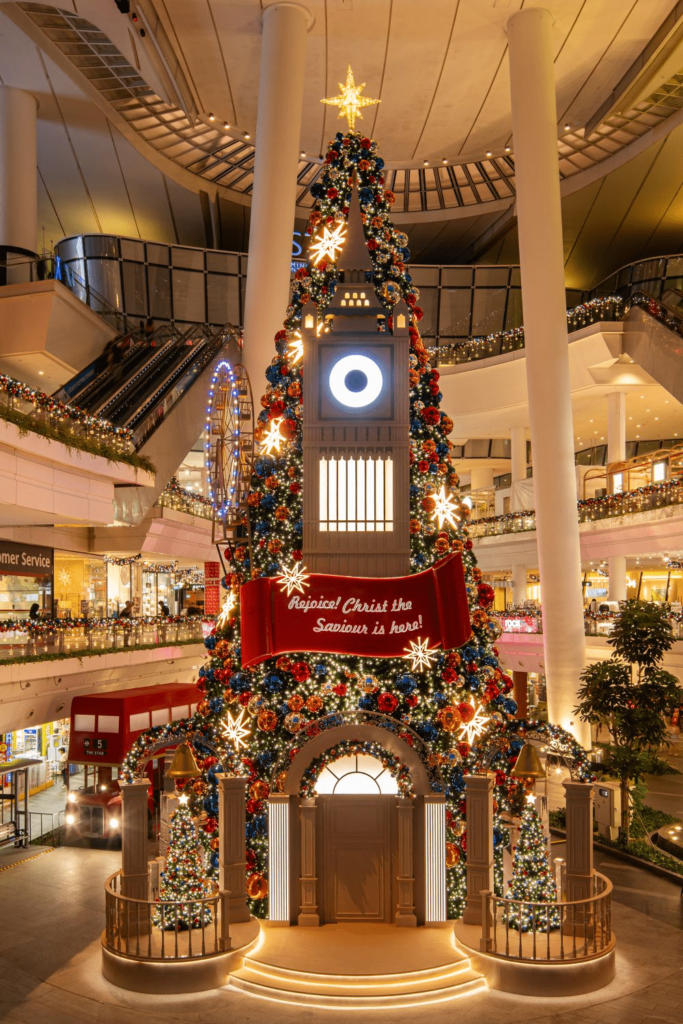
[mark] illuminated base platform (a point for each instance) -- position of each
(357, 966)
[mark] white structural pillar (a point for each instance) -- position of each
(481, 477)
(518, 584)
(278, 858)
(534, 122)
(18, 170)
(517, 463)
(278, 141)
(232, 800)
(616, 452)
(479, 796)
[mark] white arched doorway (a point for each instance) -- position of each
(358, 834)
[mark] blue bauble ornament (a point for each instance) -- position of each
(210, 642)
(427, 731)
(321, 669)
(273, 683)
(216, 704)
(406, 683)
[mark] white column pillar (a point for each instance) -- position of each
(18, 169)
(309, 880)
(479, 796)
(534, 122)
(616, 426)
(518, 584)
(278, 141)
(405, 874)
(435, 858)
(232, 800)
(517, 462)
(480, 477)
(616, 452)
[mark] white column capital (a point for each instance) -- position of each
(526, 16)
(278, 4)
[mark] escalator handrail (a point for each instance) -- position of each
(193, 354)
(672, 318)
(155, 358)
(144, 423)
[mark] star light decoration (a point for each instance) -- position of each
(469, 731)
(235, 728)
(272, 441)
(64, 577)
(183, 798)
(224, 614)
(350, 101)
(327, 243)
(295, 349)
(293, 579)
(445, 509)
(420, 654)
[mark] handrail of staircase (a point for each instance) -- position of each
(666, 314)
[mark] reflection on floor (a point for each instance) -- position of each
(53, 913)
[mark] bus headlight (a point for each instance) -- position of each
(70, 819)
(72, 798)
(113, 823)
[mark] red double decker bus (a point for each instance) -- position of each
(104, 727)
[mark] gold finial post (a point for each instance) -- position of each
(350, 101)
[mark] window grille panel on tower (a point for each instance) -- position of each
(356, 494)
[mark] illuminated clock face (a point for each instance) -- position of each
(356, 381)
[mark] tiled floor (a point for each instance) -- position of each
(51, 909)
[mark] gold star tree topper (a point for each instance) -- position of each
(350, 101)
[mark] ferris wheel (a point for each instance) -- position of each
(229, 444)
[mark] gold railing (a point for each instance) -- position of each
(130, 929)
(583, 932)
(637, 473)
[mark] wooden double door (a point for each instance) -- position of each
(357, 849)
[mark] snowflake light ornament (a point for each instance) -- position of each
(445, 509)
(235, 728)
(295, 578)
(295, 349)
(224, 614)
(420, 654)
(272, 441)
(469, 731)
(327, 243)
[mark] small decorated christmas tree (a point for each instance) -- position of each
(532, 878)
(184, 878)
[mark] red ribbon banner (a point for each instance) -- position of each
(365, 616)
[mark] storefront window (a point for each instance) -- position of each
(156, 587)
(80, 586)
(123, 584)
(25, 580)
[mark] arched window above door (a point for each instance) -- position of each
(360, 774)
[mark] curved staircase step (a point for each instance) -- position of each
(439, 984)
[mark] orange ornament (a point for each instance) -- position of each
(452, 855)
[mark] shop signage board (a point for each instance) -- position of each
(94, 746)
(520, 624)
(212, 588)
(375, 617)
(25, 559)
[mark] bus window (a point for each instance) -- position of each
(161, 716)
(84, 723)
(107, 723)
(180, 712)
(139, 721)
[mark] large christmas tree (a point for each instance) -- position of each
(457, 712)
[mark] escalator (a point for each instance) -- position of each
(157, 391)
(653, 337)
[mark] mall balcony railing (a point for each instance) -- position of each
(180, 499)
(524, 622)
(131, 929)
(606, 506)
(567, 931)
(59, 637)
(468, 350)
